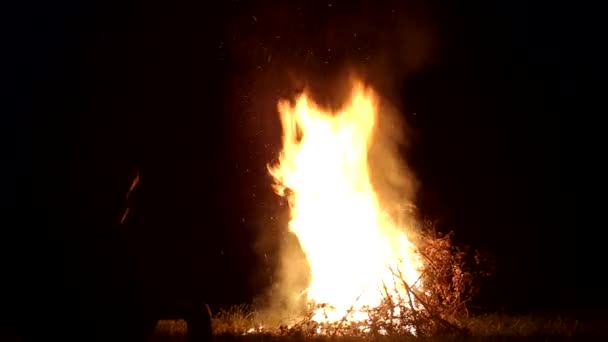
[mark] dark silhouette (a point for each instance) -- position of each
(155, 305)
(88, 284)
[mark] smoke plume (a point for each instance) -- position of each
(283, 49)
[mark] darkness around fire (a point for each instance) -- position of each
(185, 94)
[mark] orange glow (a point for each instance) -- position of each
(352, 245)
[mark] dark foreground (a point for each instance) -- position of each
(232, 328)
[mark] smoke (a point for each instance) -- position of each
(281, 50)
(286, 298)
(394, 182)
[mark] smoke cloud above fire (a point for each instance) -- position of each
(285, 49)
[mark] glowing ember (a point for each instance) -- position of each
(352, 246)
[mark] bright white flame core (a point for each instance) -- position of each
(352, 246)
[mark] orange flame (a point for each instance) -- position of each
(352, 245)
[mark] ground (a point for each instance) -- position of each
(230, 327)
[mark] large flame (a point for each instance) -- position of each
(354, 248)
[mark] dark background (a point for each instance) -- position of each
(185, 93)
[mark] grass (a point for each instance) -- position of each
(233, 325)
(521, 326)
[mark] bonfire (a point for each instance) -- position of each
(371, 271)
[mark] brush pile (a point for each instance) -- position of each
(451, 279)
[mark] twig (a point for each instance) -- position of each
(433, 315)
(408, 288)
(131, 188)
(350, 310)
(390, 303)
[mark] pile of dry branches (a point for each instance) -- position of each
(452, 275)
(450, 280)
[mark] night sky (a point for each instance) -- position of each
(185, 94)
